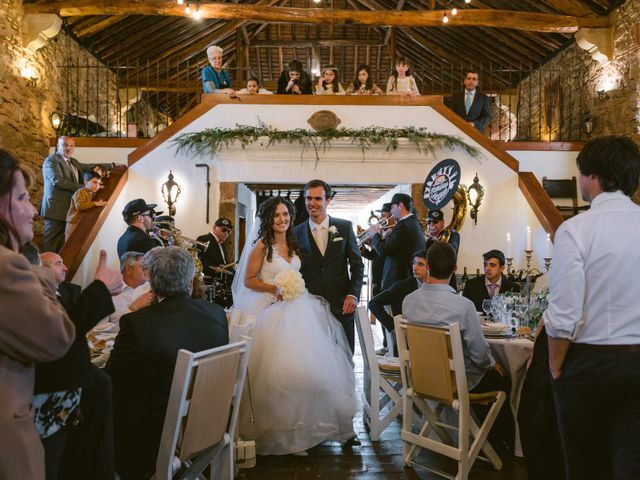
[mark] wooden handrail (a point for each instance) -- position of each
(74, 249)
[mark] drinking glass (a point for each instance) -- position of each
(486, 307)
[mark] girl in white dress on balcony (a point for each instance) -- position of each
(300, 370)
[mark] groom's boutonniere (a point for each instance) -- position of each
(334, 236)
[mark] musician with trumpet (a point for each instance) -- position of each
(398, 246)
(367, 251)
(139, 216)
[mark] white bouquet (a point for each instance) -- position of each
(290, 284)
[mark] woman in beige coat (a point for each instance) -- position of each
(33, 327)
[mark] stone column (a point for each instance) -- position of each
(227, 208)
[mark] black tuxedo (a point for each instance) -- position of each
(476, 291)
(393, 297)
(479, 112)
(398, 248)
(141, 368)
(336, 274)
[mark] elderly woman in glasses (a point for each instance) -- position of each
(216, 79)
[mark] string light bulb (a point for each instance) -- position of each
(467, 1)
(180, 2)
(317, 1)
(445, 19)
(187, 9)
(454, 11)
(197, 15)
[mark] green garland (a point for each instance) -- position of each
(212, 140)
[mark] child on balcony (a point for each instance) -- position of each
(253, 88)
(83, 200)
(328, 83)
(401, 82)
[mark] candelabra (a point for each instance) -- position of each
(527, 274)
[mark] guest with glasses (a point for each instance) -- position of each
(139, 216)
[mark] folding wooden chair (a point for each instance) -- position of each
(202, 413)
(432, 368)
(382, 383)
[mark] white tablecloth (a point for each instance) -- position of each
(513, 354)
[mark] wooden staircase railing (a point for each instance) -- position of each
(91, 222)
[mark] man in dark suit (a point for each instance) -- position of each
(331, 262)
(394, 295)
(139, 216)
(214, 255)
(74, 374)
(471, 104)
(144, 356)
(492, 282)
(62, 176)
(398, 246)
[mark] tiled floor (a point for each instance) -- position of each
(369, 461)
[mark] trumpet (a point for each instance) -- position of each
(174, 236)
(368, 234)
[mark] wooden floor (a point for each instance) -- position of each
(369, 461)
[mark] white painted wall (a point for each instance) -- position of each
(503, 210)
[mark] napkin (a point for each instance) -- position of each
(494, 328)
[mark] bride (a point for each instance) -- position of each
(301, 379)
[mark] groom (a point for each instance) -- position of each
(331, 263)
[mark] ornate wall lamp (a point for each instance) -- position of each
(475, 192)
(588, 125)
(56, 120)
(30, 75)
(170, 193)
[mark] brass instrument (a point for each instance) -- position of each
(174, 236)
(366, 235)
(459, 212)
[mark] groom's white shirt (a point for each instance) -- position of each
(320, 233)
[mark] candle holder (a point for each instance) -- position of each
(526, 275)
(547, 263)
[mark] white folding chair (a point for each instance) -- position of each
(382, 384)
(202, 413)
(432, 369)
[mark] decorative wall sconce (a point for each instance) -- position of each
(475, 192)
(588, 125)
(30, 75)
(602, 95)
(56, 118)
(170, 193)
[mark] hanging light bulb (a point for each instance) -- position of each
(197, 15)
(187, 9)
(180, 2)
(445, 19)
(467, 1)
(454, 11)
(317, 1)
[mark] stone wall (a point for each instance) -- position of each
(575, 98)
(25, 110)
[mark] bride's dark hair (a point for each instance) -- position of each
(267, 213)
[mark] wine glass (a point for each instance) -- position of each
(486, 307)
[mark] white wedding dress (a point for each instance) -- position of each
(301, 380)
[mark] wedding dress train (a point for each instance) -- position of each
(301, 379)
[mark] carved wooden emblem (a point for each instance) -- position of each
(323, 120)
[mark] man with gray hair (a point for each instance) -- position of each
(136, 293)
(144, 356)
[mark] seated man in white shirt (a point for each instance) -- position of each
(436, 303)
(135, 295)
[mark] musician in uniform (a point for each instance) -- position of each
(139, 216)
(377, 261)
(437, 232)
(214, 256)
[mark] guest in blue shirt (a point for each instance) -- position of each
(215, 79)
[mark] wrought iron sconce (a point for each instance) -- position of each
(475, 192)
(30, 75)
(170, 193)
(588, 125)
(56, 119)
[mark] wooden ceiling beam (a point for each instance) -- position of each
(536, 22)
(317, 43)
(100, 25)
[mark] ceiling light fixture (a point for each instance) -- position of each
(187, 9)
(197, 15)
(317, 1)
(180, 2)
(454, 11)
(445, 19)
(467, 1)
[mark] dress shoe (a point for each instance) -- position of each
(352, 442)
(382, 351)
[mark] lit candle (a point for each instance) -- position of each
(529, 238)
(509, 245)
(548, 246)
